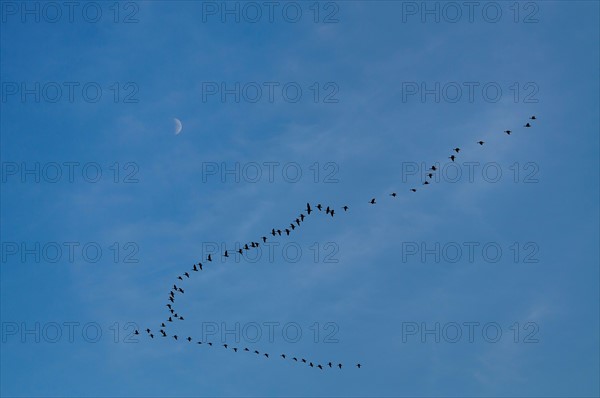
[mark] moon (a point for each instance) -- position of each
(178, 126)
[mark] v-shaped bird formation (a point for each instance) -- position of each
(280, 231)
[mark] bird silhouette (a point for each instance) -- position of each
(308, 209)
(533, 118)
(320, 367)
(235, 349)
(433, 168)
(200, 266)
(426, 183)
(246, 349)
(267, 355)
(372, 201)
(507, 132)
(527, 125)
(179, 277)
(345, 208)
(264, 238)
(457, 150)
(186, 274)
(189, 339)
(302, 217)
(330, 364)
(319, 207)
(452, 157)
(332, 212)
(273, 232)
(295, 359)
(303, 360)
(287, 231)
(358, 365)
(225, 345)
(209, 258)
(430, 175)
(226, 254)
(283, 356)
(256, 352)
(393, 194)
(195, 268)
(136, 332)
(339, 365)
(175, 336)
(414, 190)
(481, 142)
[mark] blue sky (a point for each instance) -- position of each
(363, 143)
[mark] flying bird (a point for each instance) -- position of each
(345, 208)
(372, 201)
(481, 142)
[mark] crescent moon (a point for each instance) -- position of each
(178, 126)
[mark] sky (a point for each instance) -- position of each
(483, 283)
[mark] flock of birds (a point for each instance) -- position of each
(174, 316)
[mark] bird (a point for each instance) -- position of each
(210, 344)
(319, 207)
(162, 325)
(331, 213)
(527, 125)
(264, 238)
(308, 209)
(246, 349)
(452, 157)
(287, 231)
(226, 254)
(225, 345)
(393, 194)
(533, 117)
(186, 274)
(267, 355)
(195, 268)
(330, 364)
(339, 365)
(279, 232)
(179, 277)
(426, 183)
(175, 336)
(273, 232)
(430, 175)
(199, 342)
(433, 168)
(200, 266)
(311, 365)
(320, 367)
(327, 210)
(414, 190)
(457, 150)
(181, 318)
(295, 359)
(345, 208)
(303, 360)
(235, 349)
(136, 332)
(151, 336)
(507, 132)
(283, 356)
(302, 217)
(372, 201)
(147, 330)
(209, 258)
(256, 352)
(181, 290)
(292, 226)
(170, 320)
(481, 142)
(189, 339)
(298, 222)
(171, 299)
(240, 251)
(358, 365)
